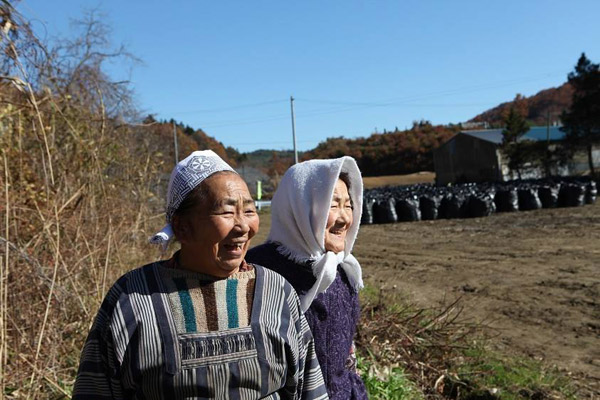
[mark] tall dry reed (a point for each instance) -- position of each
(79, 198)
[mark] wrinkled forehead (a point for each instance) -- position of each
(341, 191)
(226, 186)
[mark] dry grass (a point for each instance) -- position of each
(398, 180)
(445, 356)
(63, 243)
(424, 343)
(78, 202)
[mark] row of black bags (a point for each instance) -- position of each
(428, 202)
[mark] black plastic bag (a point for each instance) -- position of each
(571, 195)
(548, 195)
(591, 193)
(480, 206)
(451, 206)
(367, 214)
(407, 209)
(429, 204)
(507, 200)
(528, 199)
(384, 211)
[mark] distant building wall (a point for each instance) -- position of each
(527, 172)
(580, 164)
(475, 156)
(466, 159)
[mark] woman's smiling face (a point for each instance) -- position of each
(220, 229)
(339, 218)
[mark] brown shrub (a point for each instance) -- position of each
(79, 198)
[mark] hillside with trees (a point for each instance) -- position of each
(390, 153)
(261, 158)
(188, 138)
(551, 101)
(408, 151)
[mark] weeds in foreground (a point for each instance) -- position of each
(411, 353)
(387, 383)
(513, 377)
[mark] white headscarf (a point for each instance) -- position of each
(299, 211)
(186, 175)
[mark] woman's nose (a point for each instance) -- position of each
(241, 223)
(344, 215)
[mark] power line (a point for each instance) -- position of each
(230, 108)
(271, 142)
(276, 117)
(280, 117)
(406, 101)
(352, 106)
(449, 105)
(345, 106)
(465, 89)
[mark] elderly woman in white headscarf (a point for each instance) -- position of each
(204, 324)
(316, 213)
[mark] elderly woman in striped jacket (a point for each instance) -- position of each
(204, 324)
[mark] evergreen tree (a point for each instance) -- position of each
(581, 122)
(512, 146)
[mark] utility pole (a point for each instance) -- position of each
(175, 142)
(294, 130)
(547, 161)
(548, 129)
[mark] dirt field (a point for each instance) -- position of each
(533, 277)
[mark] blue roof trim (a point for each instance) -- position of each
(536, 133)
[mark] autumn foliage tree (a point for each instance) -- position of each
(536, 109)
(395, 152)
(277, 167)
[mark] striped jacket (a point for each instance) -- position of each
(134, 349)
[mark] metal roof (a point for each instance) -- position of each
(536, 133)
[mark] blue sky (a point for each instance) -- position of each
(229, 67)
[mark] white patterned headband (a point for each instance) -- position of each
(186, 176)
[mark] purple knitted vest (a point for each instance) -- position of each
(332, 317)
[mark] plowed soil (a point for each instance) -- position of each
(533, 277)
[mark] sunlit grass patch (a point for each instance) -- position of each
(513, 377)
(413, 353)
(386, 382)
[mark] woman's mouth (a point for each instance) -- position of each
(234, 249)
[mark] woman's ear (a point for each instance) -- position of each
(181, 228)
